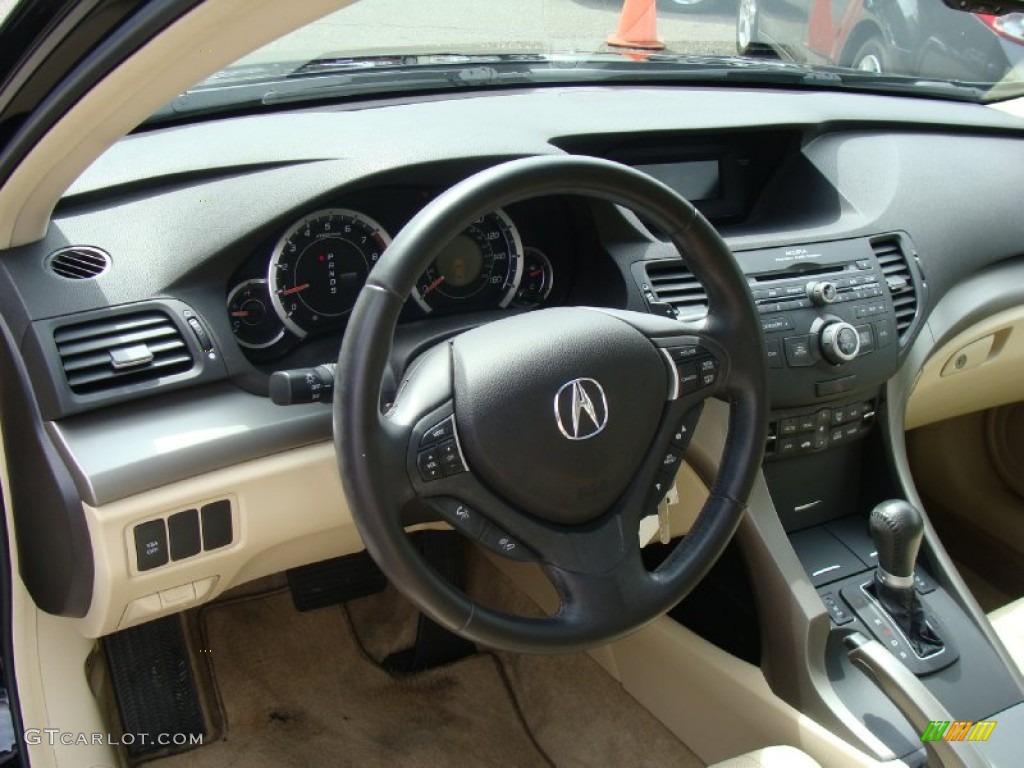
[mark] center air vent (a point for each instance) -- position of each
(673, 283)
(110, 353)
(79, 262)
(900, 280)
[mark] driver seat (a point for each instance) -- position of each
(771, 757)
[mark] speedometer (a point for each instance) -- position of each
(319, 266)
(481, 267)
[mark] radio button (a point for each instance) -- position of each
(867, 339)
(822, 292)
(807, 423)
(835, 386)
(883, 332)
(798, 351)
(769, 324)
(789, 426)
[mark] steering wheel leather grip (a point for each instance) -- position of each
(583, 404)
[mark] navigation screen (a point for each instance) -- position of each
(695, 180)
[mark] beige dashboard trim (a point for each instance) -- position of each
(289, 510)
(981, 367)
(208, 38)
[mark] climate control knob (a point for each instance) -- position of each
(840, 342)
(822, 292)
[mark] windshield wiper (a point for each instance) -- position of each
(325, 79)
(329, 79)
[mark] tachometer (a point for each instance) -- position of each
(319, 266)
(481, 267)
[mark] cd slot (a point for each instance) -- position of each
(797, 274)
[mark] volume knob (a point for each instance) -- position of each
(840, 342)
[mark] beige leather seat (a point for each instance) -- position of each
(1008, 623)
(771, 757)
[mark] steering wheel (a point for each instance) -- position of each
(547, 436)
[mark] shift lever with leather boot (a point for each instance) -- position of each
(897, 528)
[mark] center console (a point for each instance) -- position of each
(836, 317)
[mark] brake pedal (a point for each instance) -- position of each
(333, 581)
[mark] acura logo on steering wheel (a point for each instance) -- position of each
(581, 409)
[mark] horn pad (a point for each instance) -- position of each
(556, 409)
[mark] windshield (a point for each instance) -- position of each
(371, 47)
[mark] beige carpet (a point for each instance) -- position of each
(296, 690)
(303, 689)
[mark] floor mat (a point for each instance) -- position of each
(297, 690)
(579, 715)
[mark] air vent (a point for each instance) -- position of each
(900, 280)
(79, 262)
(672, 283)
(110, 353)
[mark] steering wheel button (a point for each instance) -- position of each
(682, 354)
(707, 379)
(439, 432)
(498, 541)
(429, 465)
(688, 380)
(461, 516)
(452, 464)
(671, 460)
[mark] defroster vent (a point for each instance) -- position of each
(109, 353)
(672, 283)
(900, 279)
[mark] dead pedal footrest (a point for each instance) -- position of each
(155, 688)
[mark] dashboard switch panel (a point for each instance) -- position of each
(150, 544)
(217, 529)
(181, 535)
(183, 529)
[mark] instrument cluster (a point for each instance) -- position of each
(305, 284)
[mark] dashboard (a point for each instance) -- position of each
(232, 249)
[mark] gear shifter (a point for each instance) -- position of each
(896, 528)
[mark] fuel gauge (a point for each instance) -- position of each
(253, 320)
(538, 278)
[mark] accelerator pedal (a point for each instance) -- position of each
(435, 646)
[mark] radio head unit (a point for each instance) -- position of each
(830, 312)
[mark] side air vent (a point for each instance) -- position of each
(108, 353)
(80, 262)
(900, 280)
(672, 283)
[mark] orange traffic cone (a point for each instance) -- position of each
(638, 26)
